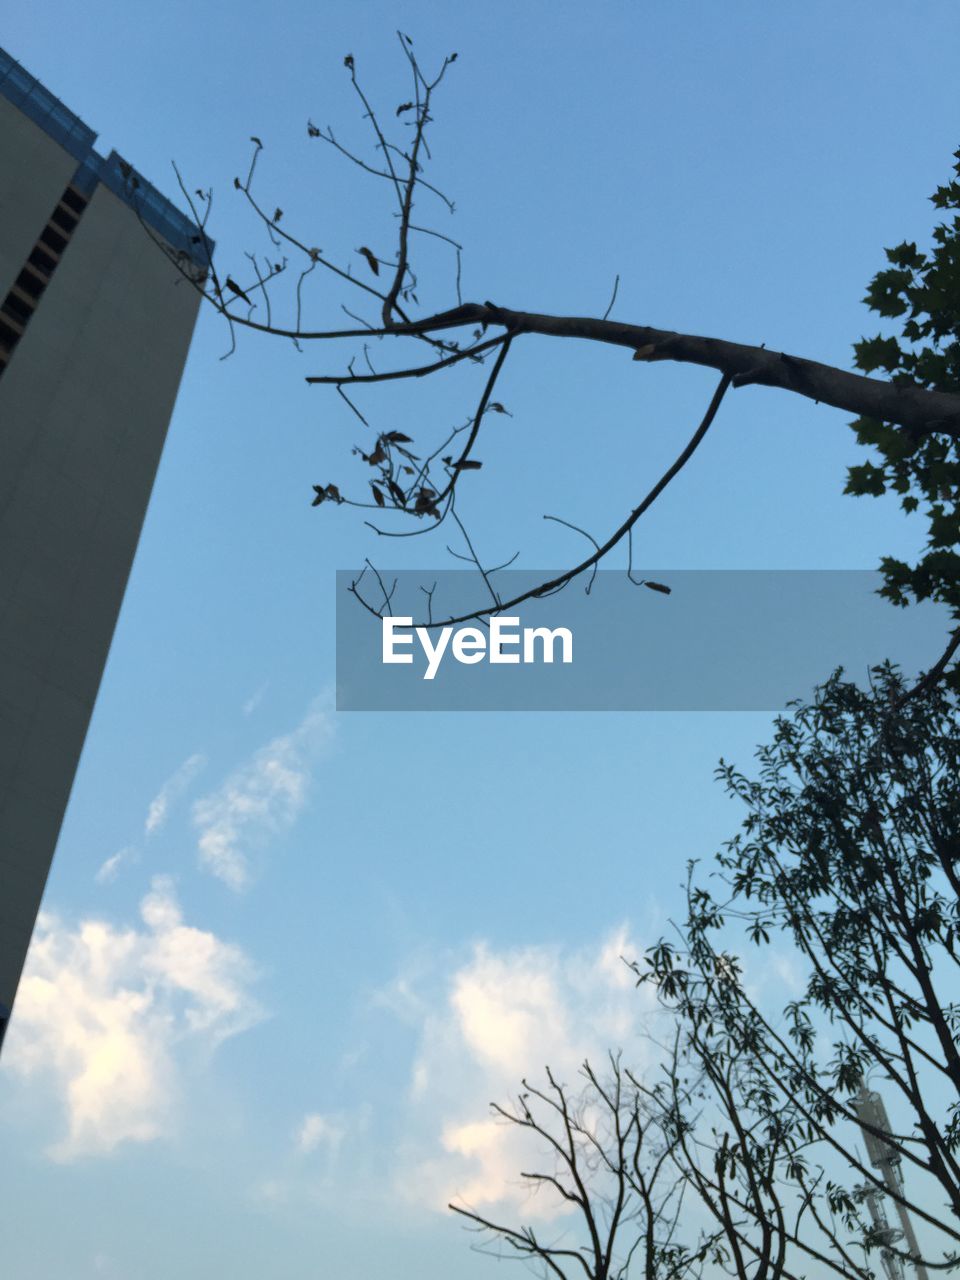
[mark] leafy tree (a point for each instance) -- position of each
(850, 851)
(743, 1154)
(924, 469)
(911, 416)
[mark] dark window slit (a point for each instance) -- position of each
(42, 261)
(31, 283)
(64, 219)
(74, 200)
(53, 238)
(8, 337)
(17, 308)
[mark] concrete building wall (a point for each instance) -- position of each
(35, 171)
(84, 407)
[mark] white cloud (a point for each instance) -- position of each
(329, 1163)
(171, 791)
(507, 1015)
(787, 967)
(269, 1191)
(110, 1012)
(317, 1129)
(479, 1027)
(157, 814)
(108, 870)
(255, 699)
(262, 798)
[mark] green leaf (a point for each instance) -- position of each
(885, 291)
(877, 353)
(865, 479)
(906, 256)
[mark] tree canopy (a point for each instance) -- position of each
(849, 853)
(924, 289)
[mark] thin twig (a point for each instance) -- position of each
(557, 583)
(616, 286)
(590, 538)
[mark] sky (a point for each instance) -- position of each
(288, 956)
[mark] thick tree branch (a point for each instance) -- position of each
(915, 408)
(919, 409)
(904, 400)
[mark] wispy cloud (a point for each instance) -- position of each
(109, 869)
(157, 813)
(255, 699)
(170, 792)
(508, 1014)
(481, 1022)
(262, 798)
(317, 1129)
(108, 1013)
(322, 1161)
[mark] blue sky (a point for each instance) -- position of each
(317, 944)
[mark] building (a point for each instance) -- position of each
(95, 323)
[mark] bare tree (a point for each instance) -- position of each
(670, 1180)
(614, 1176)
(912, 418)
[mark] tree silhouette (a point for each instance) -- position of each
(911, 417)
(614, 1170)
(759, 1147)
(850, 852)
